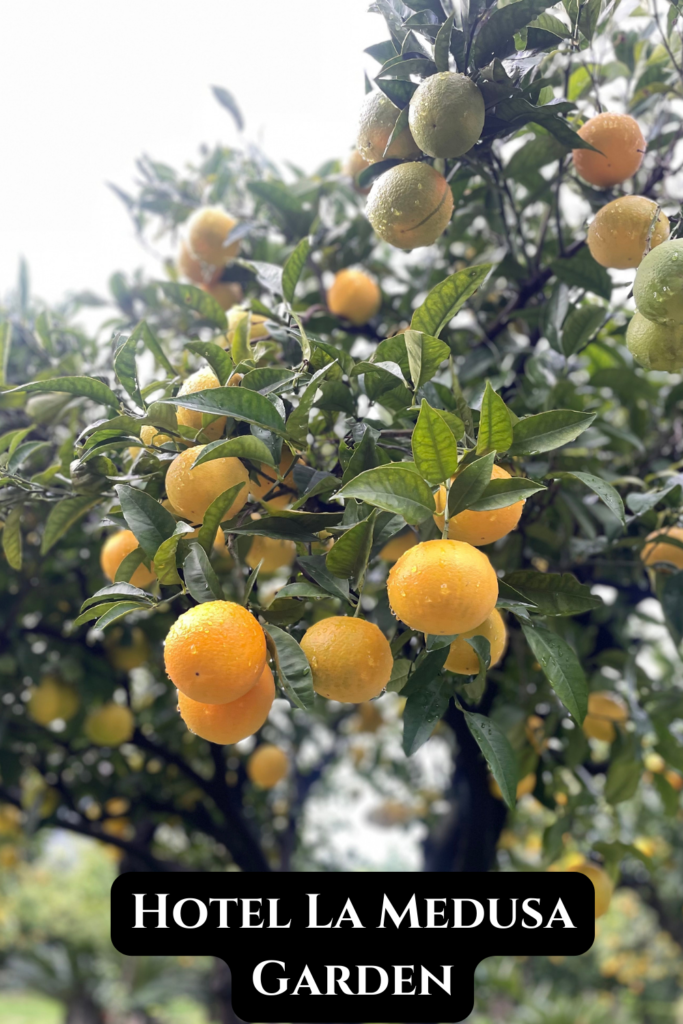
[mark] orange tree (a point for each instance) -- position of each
(294, 405)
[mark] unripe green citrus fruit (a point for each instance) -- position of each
(655, 346)
(658, 287)
(410, 205)
(447, 114)
(378, 115)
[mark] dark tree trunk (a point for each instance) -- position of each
(221, 992)
(466, 838)
(82, 1010)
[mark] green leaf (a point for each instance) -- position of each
(399, 675)
(125, 366)
(607, 494)
(423, 710)
(305, 590)
(118, 590)
(293, 670)
(291, 272)
(315, 566)
(227, 100)
(548, 430)
(200, 579)
(62, 517)
(129, 564)
(402, 122)
(11, 441)
(669, 589)
(425, 355)
(117, 611)
(396, 488)
(580, 326)
(502, 493)
(240, 403)
(446, 298)
(496, 35)
(151, 343)
(5, 345)
(470, 484)
(217, 358)
(560, 666)
(474, 690)
(188, 296)
(11, 538)
(84, 387)
(442, 44)
(435, 449)
(246, 446)
(214, 516)
(165, 558)
(498, 753)
(348, 557)
(495, 425)
(239, 345)
(622, 780)
(553, 593)
(582, 271)
(151, 523)
(297, 423)
(21, 454)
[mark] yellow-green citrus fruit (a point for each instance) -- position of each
(203, 380)
(654, 762)
(618, 234)
(153, 436)
(192, 268)
(480, 528)
(356, 163)
(267, 766)
(215, 652)
(274, 554)
(234, 721)
(442, 586)
(621, 144)
(462, 658)
(257, 331)
(657, 551)
(394, 548)
(51, 700)
(655, 346)
(226, 293)
(447, 114)
(410, 205)
(602, 883)
(369, 718)
(378, 115)
(604, 709)
(525, 786)
(658, 287)
(110, 726)
(129, 654)
(191, 491)
(350, 659)
(354, 295)
(115, 549)
(207, 230)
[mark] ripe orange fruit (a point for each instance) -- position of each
(215, 652)
(410, 205)
(127, 656)
(524, 786)
(191, 491)
(658, 551)
(275, 554)
(355, 163)
(52, 699)
(604, 709)
(442, 586)
(618, 234)
(534, 731)
(192, 268)
(267, 480)
(354, 295)
(350, 659)
(480, 528)
(378, 115)
(226, 293)
(234, 721)
(203, 380)
(267, 765)
(621, 145)
(207, 230)
(150, 435)
(462, 658)
(110, 726)
(369, 717)
(602, 883)
(115, 549)
(674, 779)
(394, 548)
(446, 114)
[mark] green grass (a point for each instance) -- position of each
(28, 1008)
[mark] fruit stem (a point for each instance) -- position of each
(361, 584)
(444, 534)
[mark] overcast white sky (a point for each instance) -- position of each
(87, 87)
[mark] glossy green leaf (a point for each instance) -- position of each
(442, 44)
(151, 523)
(582, 271)
(306, 591)
(470, 484)
(561, 667)
(217, 358)
(294, 265)
(496, 35)
(293, 670)
(84, 387)
(12, 543)
(119, 591)
(215, 515)
(315, 566)
(125, 366)
(446, 298)
(348, 557)
(548, 430)
(297, 423)
(553, 593)
(165, 558)
(435, 449)
(495, 424)
(245, 446)
(474, 690)
(502, 493)
(200, 579)
(240, 403)
(498, 753)
(128, 565)
(395, 488)
(607, 494)
(580, 326)
(188, 296)
(62, 517)
(116, 613)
